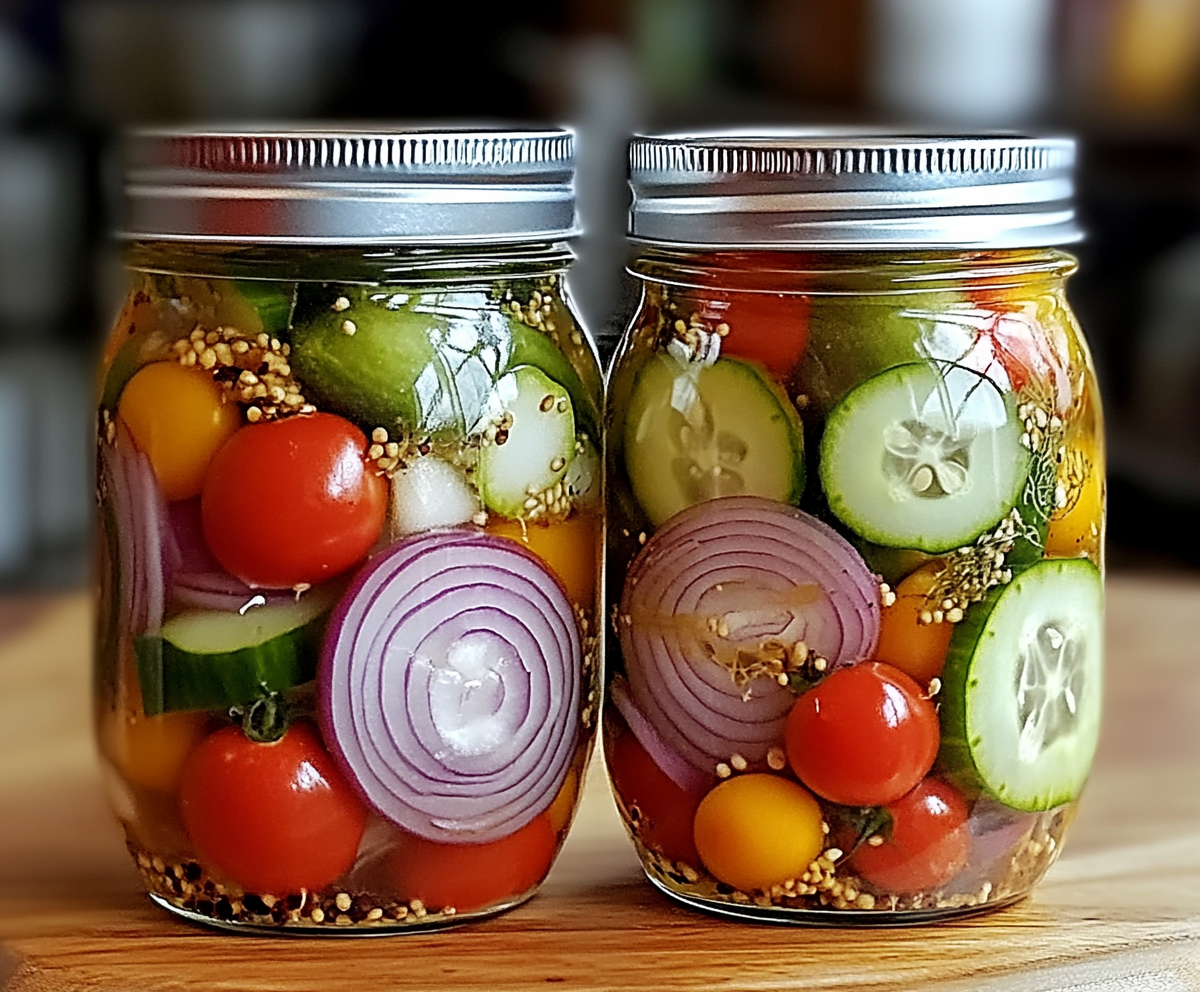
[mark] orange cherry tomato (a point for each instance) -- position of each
(293, 501)
(179, 417)
(758, 830)
(917, 649)
(151, 750)
(925, 845)
(664, 812)
(276, 818)
(864, 737)
(473, 876)
(570, 549)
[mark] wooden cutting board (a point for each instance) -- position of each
(1120, 911)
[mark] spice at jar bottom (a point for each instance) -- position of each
(855, 515)
(350, 499)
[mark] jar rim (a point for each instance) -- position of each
(349, 184)
(852, 189)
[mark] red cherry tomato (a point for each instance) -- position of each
(1023, 349)
(863, 737)
(293, 501)
(770, 329)
(472, 876)
(664, 811)
(927, 845)
(276, 818)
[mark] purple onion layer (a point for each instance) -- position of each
(721, 584)
(449, 685)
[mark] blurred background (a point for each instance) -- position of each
(1124, 75)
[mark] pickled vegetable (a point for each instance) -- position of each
(180, 419)
(694, 434)
(371, 472)
(1041, 635)
(850, 687)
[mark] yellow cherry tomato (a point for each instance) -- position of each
(570, 549)
(917, 649)
(1077, 530)
(560, 810)
(179, 417)
(758, 830)
(150, 750)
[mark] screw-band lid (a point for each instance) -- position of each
(335, 184)
(852, 190)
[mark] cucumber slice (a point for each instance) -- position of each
(1021, 691)
(210, 659)
(582, 478)
(533, 442)
(923, 456)
(698, 432)
(534, 347)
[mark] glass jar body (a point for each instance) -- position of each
(349, 544)
(855, 519)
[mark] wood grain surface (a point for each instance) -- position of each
(1120, 911)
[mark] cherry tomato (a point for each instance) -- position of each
(276, 818)
(927, 844)
(472, 876)
(293, 501)
(179, 417)
(1022, 347)
(150, 750)
(759, 830)
(770, 329)
(917, 649)
(568, 547)
(863, 737)
(663, 810)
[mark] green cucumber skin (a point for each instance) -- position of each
(372, 376)
(533, 347)
(851, 341)
(273, 301)
(138, 351)
(955, 759)
(954, 755)
(369, 376)
(172, 679)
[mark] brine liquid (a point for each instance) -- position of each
(262, 446)
(942, 417)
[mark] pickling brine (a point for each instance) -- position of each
(351, 510)
(855, 550)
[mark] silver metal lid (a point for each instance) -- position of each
(851, 190)
(371, 184)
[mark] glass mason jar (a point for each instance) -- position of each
(350, 496)
(856, 512)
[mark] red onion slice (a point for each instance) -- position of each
(201, 581)
(146, 552)
(710, 587)
(669, 763)
(449, 685)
